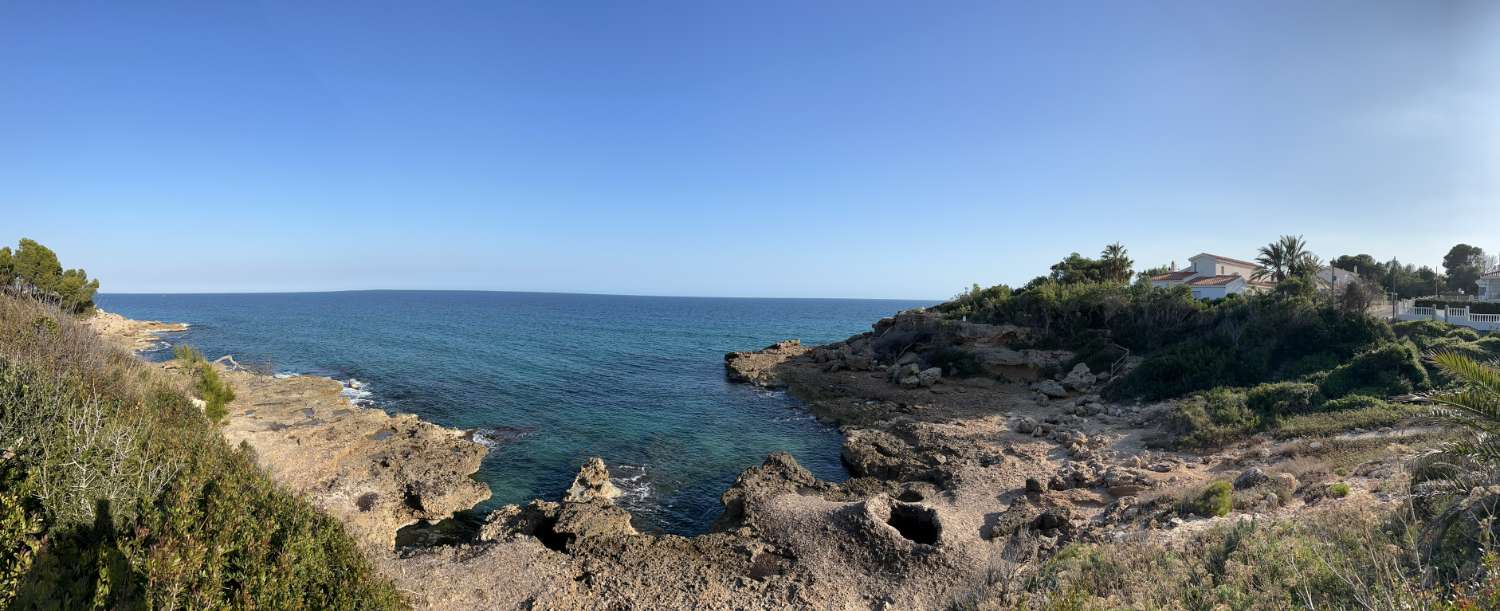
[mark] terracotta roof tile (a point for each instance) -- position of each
(1215, 280)
(1173, 276)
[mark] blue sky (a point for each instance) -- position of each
(834, 149)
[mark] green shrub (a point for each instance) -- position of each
(1392, 369)
(1211, 419)
(1284, 398)
(1216, 500)
(1338, 490)
(1339, 416)
(1353, 402)
(215, 392)
(1341, 559)
(188, 354)
(120, 494)
(1305, 367)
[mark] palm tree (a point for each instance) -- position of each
(1117, 263)
(1462, 479)
(1285, 258)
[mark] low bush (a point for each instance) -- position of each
(115, 492)
(1284, 398)
(1342, 559)
(1216, 500)
(1211, 419)
(1339, 417)
(1354, 402)
(1392, 369)
(215, 392)
(1338, 490)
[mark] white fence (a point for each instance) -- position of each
(1406, 310)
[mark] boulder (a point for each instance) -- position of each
(1079, 379)
(929, 376)
(1251, 478)
(1050, 388)
(779, 474)
(758, 367)
(592, 483)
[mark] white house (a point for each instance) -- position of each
(1213, 277)
(1335, 279)
(1489, 287)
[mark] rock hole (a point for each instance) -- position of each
(916, 522)
(911, 496)
(366, 501)
(546, 532)
(765, 564)
(413, 500)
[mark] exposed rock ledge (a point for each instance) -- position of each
(133, 335)
(373, 471)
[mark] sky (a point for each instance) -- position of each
(769, 148)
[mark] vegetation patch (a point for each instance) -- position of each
(116, 492)
(1392, 369)
(1216, 500)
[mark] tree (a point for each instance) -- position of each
(1364, 265)
(1116, 263)
(1464, 264)
(1358, 296)
(1145, 276)
(1285, 258)
(7, 266)
(1077, 269)
(37, 266)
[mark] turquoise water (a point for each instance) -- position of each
(551, 378)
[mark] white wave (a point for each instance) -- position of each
(634, 484)
(282, 375)
(356, 392)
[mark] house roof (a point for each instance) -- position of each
(1174, 276)
(1224, 259)
(1215, 280)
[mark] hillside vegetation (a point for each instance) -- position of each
(33, 270)
(116, 492)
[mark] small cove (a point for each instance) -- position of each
(548, 380)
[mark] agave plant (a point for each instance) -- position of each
(1461, 484)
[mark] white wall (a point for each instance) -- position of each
(1209, 266)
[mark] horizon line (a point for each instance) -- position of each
(584, 294)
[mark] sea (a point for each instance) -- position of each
(547, 379)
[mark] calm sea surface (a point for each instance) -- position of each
(552, 378)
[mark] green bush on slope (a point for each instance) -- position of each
(1392, 369)
(153, 508)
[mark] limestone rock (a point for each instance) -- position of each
(592, 483)
(758, 367)
(1050, 388)
(929, 376)
(1079, 379)
(1251, 478)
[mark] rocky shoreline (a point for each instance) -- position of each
(956, 475)
(373, 471)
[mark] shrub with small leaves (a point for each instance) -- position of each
(1215, 500)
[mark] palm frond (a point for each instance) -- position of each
(1468, 371)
